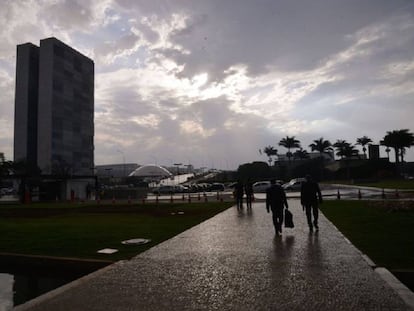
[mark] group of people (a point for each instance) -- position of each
(239, 190)
(310, 198)
(276, 201)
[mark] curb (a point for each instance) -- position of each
(403, 291)
(53, 293)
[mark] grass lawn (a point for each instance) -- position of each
(79, 231)
(385, 236)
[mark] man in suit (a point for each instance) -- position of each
(276, 201)
(310, 195)
(238, 193)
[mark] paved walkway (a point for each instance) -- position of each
(234, 262)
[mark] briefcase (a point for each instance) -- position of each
(288, 219)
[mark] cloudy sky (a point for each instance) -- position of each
(210, 82)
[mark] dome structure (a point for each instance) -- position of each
(151, 170)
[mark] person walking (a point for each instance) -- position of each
(238, 193)
(248, 189)
(276, 201)
(310, 195)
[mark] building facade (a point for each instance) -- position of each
(54, 108)
(115, 170)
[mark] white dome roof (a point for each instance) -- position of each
(150, 170)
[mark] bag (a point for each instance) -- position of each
(288, 219)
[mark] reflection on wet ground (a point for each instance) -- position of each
(234, 262)
(18, 285)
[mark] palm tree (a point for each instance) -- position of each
(289, 143)
(398, 140)
(340, 146)
(270, 151)
(350, 151)
(387, 150)
(363, 141)
(301, 154)
(322, 146)
(344, 149)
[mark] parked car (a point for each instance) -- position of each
(217, 187)
(294, 184)
(231, 185)
(204, 186)
(6, 191)
(164, 190)
(261, 186)
(180, 189)
(186, 189)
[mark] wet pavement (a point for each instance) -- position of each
(233, 261)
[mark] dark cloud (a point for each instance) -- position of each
(330, 68)
(287, 35)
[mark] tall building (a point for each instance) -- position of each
(54, 108)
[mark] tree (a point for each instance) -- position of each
(289, 143)
(4, 165)
(301, 154)
(340, 146)
(254, 171)
(388, 150)
(363, 141)
(322, 146)
(345, 149)
(270, 151)
(398, 140)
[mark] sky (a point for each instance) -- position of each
(210, 82)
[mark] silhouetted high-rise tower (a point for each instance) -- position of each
(54, 108)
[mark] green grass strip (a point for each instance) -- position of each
(383, 233)
(79, 232)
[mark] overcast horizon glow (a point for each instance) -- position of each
(212, 82)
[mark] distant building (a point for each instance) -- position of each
(54, 108)
(151, 171)
(115, 170)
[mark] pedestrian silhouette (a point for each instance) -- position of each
(239, 191)
(310, 196)
(248, 189)
(276, 201)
